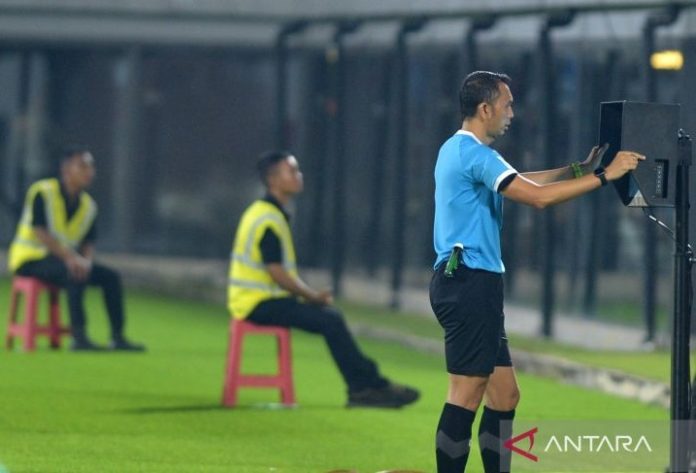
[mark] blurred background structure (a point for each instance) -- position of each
(177, 98)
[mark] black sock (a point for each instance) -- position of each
(453, 438)
(492, 436)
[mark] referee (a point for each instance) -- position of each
(466, 291)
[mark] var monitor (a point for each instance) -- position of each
(652, 130)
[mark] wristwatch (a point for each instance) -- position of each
(599, 172)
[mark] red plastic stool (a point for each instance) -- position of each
(234, 379)
(29, 328)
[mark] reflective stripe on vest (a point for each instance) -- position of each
(272, 288)
(249, 281)
(26, 246)
(260, 266)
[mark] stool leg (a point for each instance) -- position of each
(14, 303)
(287, 389)
(54, 318)
(234, 356)
(32, 304)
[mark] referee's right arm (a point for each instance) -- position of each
(526, 191)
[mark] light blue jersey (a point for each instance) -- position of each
(468, 207)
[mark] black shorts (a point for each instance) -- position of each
(469, 307)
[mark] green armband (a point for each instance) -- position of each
(577, 170)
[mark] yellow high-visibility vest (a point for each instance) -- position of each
(249, 281)
(26, 246)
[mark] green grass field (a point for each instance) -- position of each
(159, 412)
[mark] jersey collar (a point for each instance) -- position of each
(468, 133)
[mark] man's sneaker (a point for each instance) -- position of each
(122, 344)
(84, 344)
(390, 396)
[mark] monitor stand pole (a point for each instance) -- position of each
(681, 449)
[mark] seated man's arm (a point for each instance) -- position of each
(87, 250)
(78, 266)
(54, 246)
(272, 254)
(297, 286)
(87, 245)
(87, 253)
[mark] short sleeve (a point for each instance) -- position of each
(91, 235)
(271, 249)
(39, 211)
(492, 170)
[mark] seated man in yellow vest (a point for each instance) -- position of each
(55, 242)
(264, 287)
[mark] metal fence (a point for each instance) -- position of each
(364, 105)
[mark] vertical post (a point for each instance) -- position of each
(661, 18)
(448, 120)
(681, 372)
(36, 162)
(549, 230)
(339, 180)
(127, 120)
(401, 162)
(322, 113)
(548, 81)
(12, 177)
(597, 214)
(471, 48)
(281, 49)
(589, 300)
(380, 127)
(281, 89)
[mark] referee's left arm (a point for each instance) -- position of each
(526, 191)
(568, 172)
(529, 192)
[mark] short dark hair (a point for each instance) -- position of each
(268, 161)
(477, 88)
(69, 151)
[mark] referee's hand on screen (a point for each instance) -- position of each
(594, 158)
(624, 162)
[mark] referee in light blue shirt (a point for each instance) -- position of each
(466, 291)
(470, 187)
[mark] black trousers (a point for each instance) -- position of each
(51, 269)
(359, 372)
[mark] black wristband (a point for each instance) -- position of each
(599, 172)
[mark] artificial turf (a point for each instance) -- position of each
(159, 411)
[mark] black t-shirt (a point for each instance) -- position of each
(271, 249)
(71, 206)
(270, 246)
